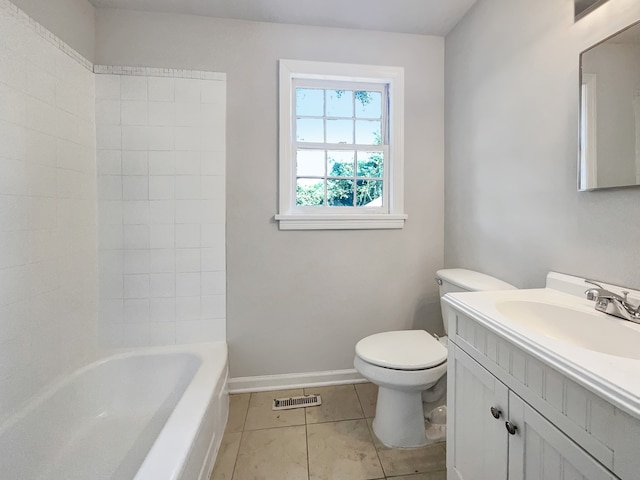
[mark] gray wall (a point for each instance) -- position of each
(73, 21)
(512, 209)
(299, 301)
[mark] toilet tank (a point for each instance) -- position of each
(462, 280)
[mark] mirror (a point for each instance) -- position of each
(610, 112)
(584, 7)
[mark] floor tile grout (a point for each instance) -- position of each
(360, 396)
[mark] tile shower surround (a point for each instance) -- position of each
(48, 218)
(161, 190)
(48, 258)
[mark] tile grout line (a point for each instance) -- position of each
(235, 463)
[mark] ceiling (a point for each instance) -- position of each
(427, 17)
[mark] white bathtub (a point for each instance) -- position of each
(152, 414)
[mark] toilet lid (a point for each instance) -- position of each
(402, 350)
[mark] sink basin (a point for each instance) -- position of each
(590, 331)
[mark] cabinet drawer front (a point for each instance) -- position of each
(593, 423)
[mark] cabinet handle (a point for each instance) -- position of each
(511, 428)
(496, 412)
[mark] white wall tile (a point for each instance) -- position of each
(163, 309)
(188, 260)
(134, 112)
(162, 260)
(162, 236)
(136, 286)
(188, 211)
(156, 188)
(187, 187)
(136, 334)
(162, 334)
(136, 261)
(161, 89)
(133, 88)
(162, 211)
(188, 139)
(213, 283)
(163, 285)
(135, 212)
(109, 162)
(162, 114)
(188, 235)
(162, 163)
(108, 137)
(187, 163)
(199, 331)
(108, 112)
(213, 306)
(161, 139)
(188, 308)
(135, 236)
(110, 187)
(136, 310)
(135, 187)
(187, 284)
(187, 90)
(135, 138)
(135, 163)
(109, 212)
(161, 187)
(108, 87)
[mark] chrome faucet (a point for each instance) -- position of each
(612, 303)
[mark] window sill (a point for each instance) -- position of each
(341, 222)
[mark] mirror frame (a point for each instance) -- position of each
(581, 108)
(591, 5)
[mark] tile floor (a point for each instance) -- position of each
(331, 442)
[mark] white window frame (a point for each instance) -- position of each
(391, 215)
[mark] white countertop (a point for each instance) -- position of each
(614, 378)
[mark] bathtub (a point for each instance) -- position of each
(152, 414)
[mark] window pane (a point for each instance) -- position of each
(370, 164)
(310, 130)
(340, 131)
(340, 163)
(368, 132)
(339, 103)
(309, 102)
(369, 193)
(310, 192)
(368, 104)
(310, 163)
(340, 193)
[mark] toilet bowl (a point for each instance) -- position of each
(408, 366)
(403, 364)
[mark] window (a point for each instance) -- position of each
(341, 146)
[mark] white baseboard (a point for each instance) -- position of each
(294, 380)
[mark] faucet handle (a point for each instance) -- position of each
(625, 293)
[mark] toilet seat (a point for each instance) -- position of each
(402, 350)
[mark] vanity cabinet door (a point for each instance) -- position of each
(477, 403)
(539, 451)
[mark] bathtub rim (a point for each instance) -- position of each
(210, 377)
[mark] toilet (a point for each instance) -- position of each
(408, 365)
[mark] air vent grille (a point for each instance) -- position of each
(296, 402)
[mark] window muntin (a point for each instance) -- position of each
(341, 144)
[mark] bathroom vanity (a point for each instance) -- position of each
(541, 386)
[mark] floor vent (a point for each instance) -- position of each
(296, 402)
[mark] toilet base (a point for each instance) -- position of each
(399, 418)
